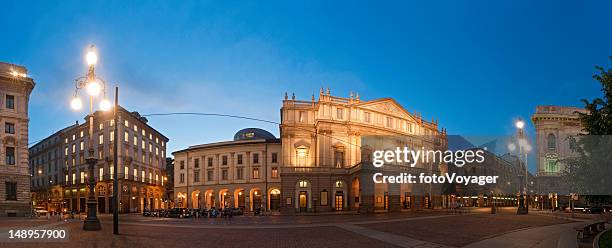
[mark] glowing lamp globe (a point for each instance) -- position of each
(105, 105)
(511, 147)
(91, 57)
(76, 103)
(520, 124)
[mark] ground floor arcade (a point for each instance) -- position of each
(248, 197)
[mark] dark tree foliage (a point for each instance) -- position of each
(599, 119)
(590, 172)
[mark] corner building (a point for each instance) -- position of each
(59, 169)
(242, 173)
(15, 89)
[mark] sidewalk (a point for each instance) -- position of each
(556, 236)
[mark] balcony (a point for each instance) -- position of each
(313, 170)
(548, 174)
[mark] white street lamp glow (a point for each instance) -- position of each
(93, 88)
(91, 57)
(511, 147)
(105, 105)
(520, 124)
(76, 103)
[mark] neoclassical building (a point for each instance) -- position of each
(321, 163)
(15, 89)
(326, 154)
(554, 126)
(242, 173)
(59, 169)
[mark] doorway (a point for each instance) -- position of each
(407, 200)
(275, 200)
(386, 201)
(303, 201)
(339, 201)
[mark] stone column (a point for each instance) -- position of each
(394, 197)
(366, 185)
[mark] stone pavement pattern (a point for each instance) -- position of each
(429, 230)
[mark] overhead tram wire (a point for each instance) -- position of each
(245, 118)
(229, 116)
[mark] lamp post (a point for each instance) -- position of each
(93, 85)
(523, 149)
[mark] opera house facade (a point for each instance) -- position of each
(319, 163)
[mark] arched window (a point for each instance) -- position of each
(303, 184)
(302, 156)
(552, 142)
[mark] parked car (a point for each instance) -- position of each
(237, 211)
(577, 208)
(41, 211)
(593, 210)
(146, 212)
(180, 213)
(175, 213)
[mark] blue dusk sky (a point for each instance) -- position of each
(474, 65)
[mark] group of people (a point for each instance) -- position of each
(227, 213)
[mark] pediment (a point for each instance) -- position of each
(387, 106)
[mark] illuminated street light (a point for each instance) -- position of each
(91, 57)
(520, 124)
(93, 85)
(105, 105)
(511, 147)
(523, 149)
(76, 103)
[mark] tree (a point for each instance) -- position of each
(598, 120)
(590, 172)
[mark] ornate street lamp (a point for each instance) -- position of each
(523, 148)
(93, 85)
